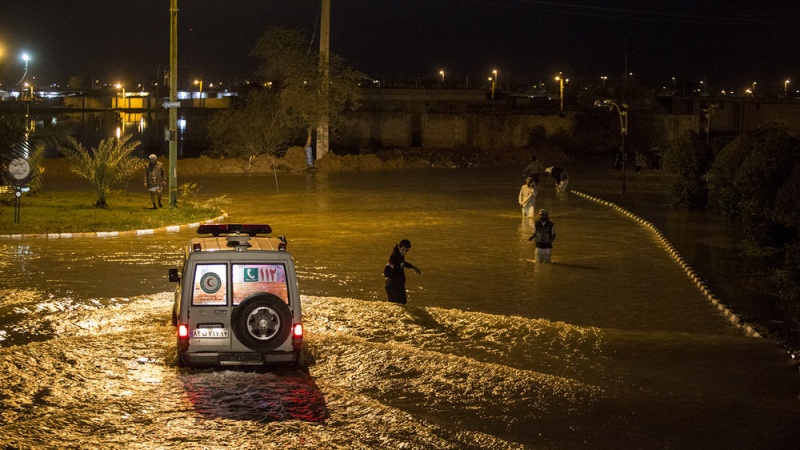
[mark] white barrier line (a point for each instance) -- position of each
(727, 313)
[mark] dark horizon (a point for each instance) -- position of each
(723, 44)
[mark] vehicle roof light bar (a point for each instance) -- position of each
(216, 229)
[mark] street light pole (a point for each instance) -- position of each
(200, 101)
(173, 99)
(561, 80)
(494, 81)
(27, 84)
(623, 131)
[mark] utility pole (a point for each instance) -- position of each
(324, 67)
(173, 98)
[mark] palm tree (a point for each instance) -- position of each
(110, 163)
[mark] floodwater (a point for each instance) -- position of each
(612, 346)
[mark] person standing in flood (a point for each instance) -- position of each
(544, 233)
(527, 197)
(395, 275)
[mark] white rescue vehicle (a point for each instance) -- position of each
(237, 300)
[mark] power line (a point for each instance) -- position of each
(641, 15)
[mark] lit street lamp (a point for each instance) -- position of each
(785, 88)
(441, 72)
(561, 82)
(494, 81)
(28, 85)
(200, 95)
(121, 88)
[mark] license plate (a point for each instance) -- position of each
(210, 333)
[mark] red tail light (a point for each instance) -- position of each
(297, 330)
(183, 331)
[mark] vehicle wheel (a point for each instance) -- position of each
(262, 322)
(181, 362)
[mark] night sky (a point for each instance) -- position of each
(728, 44)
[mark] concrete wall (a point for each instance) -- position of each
(735, 115)
(445, 131)
(488, 131)
(676, 125)
(87, 102)
(364, 129)
(210, 102)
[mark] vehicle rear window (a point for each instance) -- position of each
(210, 285)
(251, 278)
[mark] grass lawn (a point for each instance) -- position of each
(74, 212)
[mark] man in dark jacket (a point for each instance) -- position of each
(533, 170)
(394, 272)
(544, 233)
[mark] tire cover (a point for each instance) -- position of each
(262, 322)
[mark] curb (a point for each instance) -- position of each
(104, 234)
(701, 285)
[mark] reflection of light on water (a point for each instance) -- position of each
(259, 396)
(379, 375)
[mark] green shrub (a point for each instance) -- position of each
(689, 158)
(749, 177)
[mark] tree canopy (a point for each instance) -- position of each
(298, 96)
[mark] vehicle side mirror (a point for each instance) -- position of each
(173, 275)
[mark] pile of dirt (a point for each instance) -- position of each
(295, 160)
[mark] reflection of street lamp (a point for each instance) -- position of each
(561, 82)
(623, 131)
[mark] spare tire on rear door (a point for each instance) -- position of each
(262, 322)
